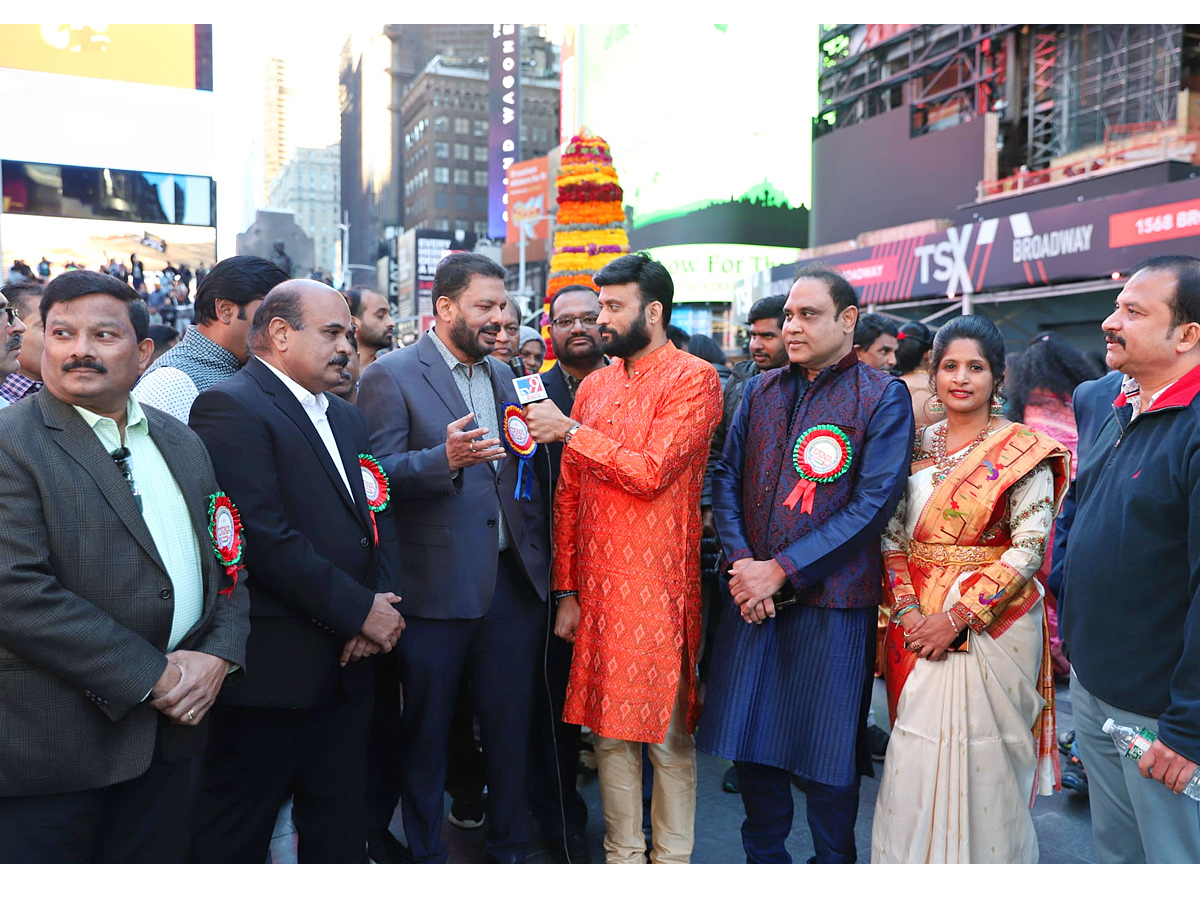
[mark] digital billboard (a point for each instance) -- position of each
(528, 200)
(168, 55)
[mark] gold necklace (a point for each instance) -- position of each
(942, 463)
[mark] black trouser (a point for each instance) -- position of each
(257, 757)
(144, 820)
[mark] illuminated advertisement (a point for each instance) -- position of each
(708, 273)
(91, 243)
(528, 200)
(713, 144)
(168, 55)
(504, 122)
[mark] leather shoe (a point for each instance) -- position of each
(382, 847)
(572, 849)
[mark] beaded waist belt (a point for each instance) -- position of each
(952, 555)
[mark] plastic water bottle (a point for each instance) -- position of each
(1133, 742)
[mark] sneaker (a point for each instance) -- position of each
(383, 848)
(1065, 740)
(1074, 778)
(877, 739)
(467, 814)
(729, 784)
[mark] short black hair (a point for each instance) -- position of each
(1052, 364)
(454, 273)
(239, 279)
(354, 297)
(678, 336)
(839, 288)
(1185, 305)
(22, 296)
(767, 308)
(566, 289)
(282, 302)
(72, 285)
(705, 348)
(651, 277)
(915, 340)
(162, 335)
(975, 328)
(870, 327)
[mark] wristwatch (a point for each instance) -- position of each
(562, 595)
(569, 432)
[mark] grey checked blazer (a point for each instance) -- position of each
(86, 603)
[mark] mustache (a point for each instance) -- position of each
(85, 362)
(340, 360)
(1113, 338)
(14, 343)
(490, 329)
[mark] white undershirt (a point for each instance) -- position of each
(316, 406)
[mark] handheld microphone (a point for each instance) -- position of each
(518, 366)
(530, 388)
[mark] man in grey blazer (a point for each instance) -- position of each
(118, 624)
(473, 554)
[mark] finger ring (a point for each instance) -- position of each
(191, 714)
(915, 647)
(473, 449)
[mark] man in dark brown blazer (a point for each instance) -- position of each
(118, 623)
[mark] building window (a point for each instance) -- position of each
(481, 153)
(441, 175)
(441, 224)
(524, 133)
(441, 200)
(460, 224)
(481, 227)
(481, 128)
(462, 151)
(460, 202)
(462, 126)
(441, 123)
(462, 176)
(441, 150)
(481, 203)
(481, 178)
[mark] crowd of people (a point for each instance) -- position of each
(278, 557)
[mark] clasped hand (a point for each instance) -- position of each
(928, 636)
(188, 686)
(380, 631)
(753, 585)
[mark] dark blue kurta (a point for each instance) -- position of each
(792, 692)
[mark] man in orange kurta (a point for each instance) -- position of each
(627, 557)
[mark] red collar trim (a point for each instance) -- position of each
(1121, 400)
(1181, 393)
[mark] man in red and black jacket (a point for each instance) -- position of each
(1130, 618)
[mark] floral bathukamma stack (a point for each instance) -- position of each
(590, 230)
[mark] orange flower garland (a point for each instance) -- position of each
(590, 230)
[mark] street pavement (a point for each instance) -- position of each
(1062, 821)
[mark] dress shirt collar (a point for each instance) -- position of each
(211, 349)
(134, 417)
(16, 387)
(652, 361)
(302, 394)
(450, 358)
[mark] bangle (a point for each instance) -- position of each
(562, 595)
(955, 625)
(902, 611)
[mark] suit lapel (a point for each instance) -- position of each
(439, 377)
(81, 444)
(287, 403)
(340, 424)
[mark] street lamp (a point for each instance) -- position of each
(344, 228)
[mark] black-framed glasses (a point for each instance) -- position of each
(121, 458)
(566, 323)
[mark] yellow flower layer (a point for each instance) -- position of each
(581, 262)
(586, 169)
(586, 178)
(581, 238)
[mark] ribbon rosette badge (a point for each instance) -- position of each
(225, 530)
(375, 485)
(821, 455)
(523, 446)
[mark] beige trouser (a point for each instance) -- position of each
(673, 804)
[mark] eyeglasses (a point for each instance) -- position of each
(566, 323)
(11, 312)
(121, 458)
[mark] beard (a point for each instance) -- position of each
(468, 341)
(629, 343)
(579, 356)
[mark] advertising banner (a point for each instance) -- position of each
(1076, 242)
(504, 122)
(528, 198)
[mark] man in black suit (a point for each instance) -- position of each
(560, 811)
(117, 623)
(321, 549)
(473, 551)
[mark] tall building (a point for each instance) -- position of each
(276, 151)
(1027, 168)
(310, 187)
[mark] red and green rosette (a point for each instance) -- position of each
(522, 445)
(822, 454)
(376, 487)
(227, 535)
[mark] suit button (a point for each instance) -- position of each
(491, 523)
(165, 594)
(364, 542)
